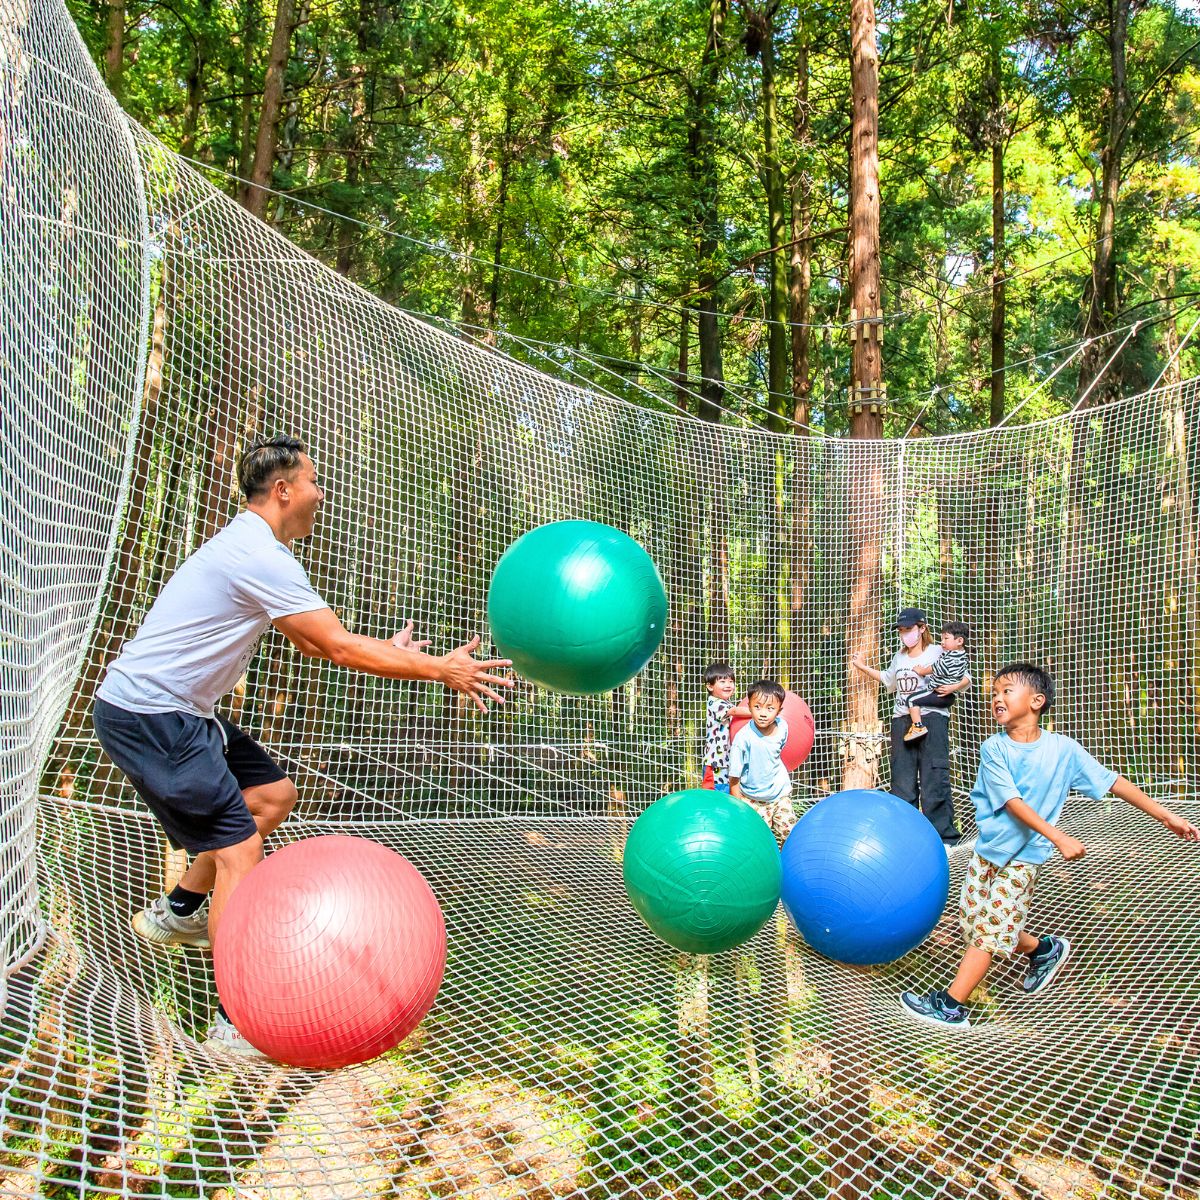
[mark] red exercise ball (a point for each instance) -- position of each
(802, 730)
(330, 952)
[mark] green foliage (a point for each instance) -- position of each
(530, 171)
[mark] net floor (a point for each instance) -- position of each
(572, 1054)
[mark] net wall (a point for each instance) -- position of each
(150, 328)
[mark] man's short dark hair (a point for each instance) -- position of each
(264, 460)
(958, 629)
(1032, 676)
(766, 687)
(717, 670)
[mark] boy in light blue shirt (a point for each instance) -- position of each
(1024, 777)
(756, 771)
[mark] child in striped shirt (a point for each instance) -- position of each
(949, 671)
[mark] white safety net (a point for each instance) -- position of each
(149, 327)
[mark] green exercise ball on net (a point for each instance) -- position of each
(578, 606)
(702, 870)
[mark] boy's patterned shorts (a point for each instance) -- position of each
(994, 905)
(779, 814)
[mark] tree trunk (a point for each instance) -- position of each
(193, 88)
(1100, 295)
(114, 53)
(255, 196)
(778, 350)
(474, 206)
(682, 391)
(506, 156)
(800, 542)
(242, 134)
(996, 406)
(849, 1148)
(706, 179)
(347, 233)
(865, 478)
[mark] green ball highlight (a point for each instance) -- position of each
(702, 870)
(578, 606)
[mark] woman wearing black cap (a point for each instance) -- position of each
(920, 769)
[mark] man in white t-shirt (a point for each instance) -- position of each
(215, 791)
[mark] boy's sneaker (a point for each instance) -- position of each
(915, 733)
(160, 926)
(1044, 966)
(223, 1038)
(935, 1009)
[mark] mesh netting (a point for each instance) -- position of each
(149, 326)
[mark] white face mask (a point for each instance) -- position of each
(910, 637)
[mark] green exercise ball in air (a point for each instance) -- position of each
(578, 606)
(702, 870)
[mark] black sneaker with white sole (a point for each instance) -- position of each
(938, 1008)
(1045, 965)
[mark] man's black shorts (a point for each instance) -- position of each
(190, 770)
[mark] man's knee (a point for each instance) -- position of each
(240, 857)
(270, 803)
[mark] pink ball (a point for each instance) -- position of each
(802, 730)
(330, 952)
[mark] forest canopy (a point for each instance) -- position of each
(638, 194)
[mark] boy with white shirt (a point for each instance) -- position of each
(216, 792)
(1024, 777)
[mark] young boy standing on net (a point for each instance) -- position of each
(756, 771)
(718, 714)
(950, 673)
(1023, 781)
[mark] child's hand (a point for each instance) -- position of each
(1070, 848)
(1181, 827)
(923, 671)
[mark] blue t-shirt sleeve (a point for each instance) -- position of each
(994, 785)
(1088, 776)
(737, 755)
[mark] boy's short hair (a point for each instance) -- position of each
(717, 670)
(766, 687)
(1032, 676)
(958, 629)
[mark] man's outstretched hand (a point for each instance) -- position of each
(404, 639)
(472, 676)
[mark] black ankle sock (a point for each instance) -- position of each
(950, 1000)
(1044, 946)
(183, 903)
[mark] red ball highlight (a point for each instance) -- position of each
(330, 952)
(802, 730)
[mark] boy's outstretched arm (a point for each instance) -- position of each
(1128, 791)
(1068, 847)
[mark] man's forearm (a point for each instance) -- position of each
(377, 656)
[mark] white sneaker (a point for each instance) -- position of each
(224, 1038)
(161, 927)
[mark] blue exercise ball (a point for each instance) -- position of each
(865, 877)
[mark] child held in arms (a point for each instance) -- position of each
(756, 771)
(719, 713)
(949, 673)
(1024, 776)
